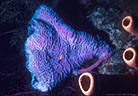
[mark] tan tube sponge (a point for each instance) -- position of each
(130, 24)
(130, 57)
(86, 83)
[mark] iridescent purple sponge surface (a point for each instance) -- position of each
(54, 49)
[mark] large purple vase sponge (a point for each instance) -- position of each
(54, 50)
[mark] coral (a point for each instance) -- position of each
(49, 39)
(107, 20)
(104, 19)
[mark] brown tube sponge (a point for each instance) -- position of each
(130, 24)
(86, 83)
(130, 57)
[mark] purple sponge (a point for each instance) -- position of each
(54, 50)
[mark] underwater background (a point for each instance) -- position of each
(102, 17)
